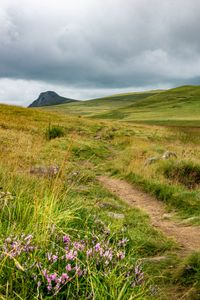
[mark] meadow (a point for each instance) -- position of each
(174, 107)
(65, 236)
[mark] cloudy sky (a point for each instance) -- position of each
(89, 48)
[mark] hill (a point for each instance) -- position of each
(177, 106)
(50, 98)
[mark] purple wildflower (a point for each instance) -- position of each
(97, 247)
(89, 252)
(68, 267)
(123, 242)
(66, 239)
(54, 258)
(53, 277)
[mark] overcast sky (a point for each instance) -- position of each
(89, 48)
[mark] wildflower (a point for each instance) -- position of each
(49, 287)
(68, 267)
(121, 255)
(71, 255)
(39, 284)
(53, 277)
(79, 246)
(97, 247)
(89, 252)
(123, 242)
(78, 270)
(108, 254)
(8, 240)
(66, 239)
(139, 276)
(54, 258)
(64, 278)
(28, 238)
(49, 255)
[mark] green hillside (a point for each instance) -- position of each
(179, 106)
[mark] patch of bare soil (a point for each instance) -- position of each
(187, 236)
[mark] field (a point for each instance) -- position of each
(176, 107)
(64, 234)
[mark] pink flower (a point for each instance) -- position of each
(71, 255)
(66, 239)
(97, 247)
(53, 277)
(89, 252)
(79, 246)
(68, 267)
(64, 278)
(54, 258)
(49, 287)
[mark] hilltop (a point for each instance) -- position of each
(50, 98)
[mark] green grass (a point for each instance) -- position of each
(73, 203)
(175, 107)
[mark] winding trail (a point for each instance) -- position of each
(187, 236)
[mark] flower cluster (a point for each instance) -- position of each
(136, 275)
(69, 261)
(15, 246)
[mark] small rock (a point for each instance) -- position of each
(166, 216)
(155, 259)
(50, 171)
(169, 154)
(97, 137)
(191, 219)
(151, 160)
(115, 215)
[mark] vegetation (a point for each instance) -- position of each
(53, 132)
(175, 107)
(64, 235)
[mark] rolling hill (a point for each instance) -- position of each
(177, 106)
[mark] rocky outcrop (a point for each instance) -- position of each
(50, 98)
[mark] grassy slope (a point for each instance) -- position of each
(74, 203)
(179, 106)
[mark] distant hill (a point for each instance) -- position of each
(177, 106)
(50, 98)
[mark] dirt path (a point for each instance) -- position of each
(187, 236)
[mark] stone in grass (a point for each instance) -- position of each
(151, 160)
(50, 171)
(167, 216)
(191, 219)
(169, 154)
(115, 215)
(109, 205)
(155, 259)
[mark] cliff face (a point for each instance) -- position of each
(50, 98)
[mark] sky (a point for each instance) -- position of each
(85, 49)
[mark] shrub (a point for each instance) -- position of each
(54, 131)
(188, 273)
(185, 173)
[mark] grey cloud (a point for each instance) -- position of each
(102, 44)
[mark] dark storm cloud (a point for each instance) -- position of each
(101, 44)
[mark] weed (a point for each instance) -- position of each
(54, 131)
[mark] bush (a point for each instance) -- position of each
(188, 274)
(185, 173)
(54, 131)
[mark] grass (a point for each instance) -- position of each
(175, 107)
(72, 203)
